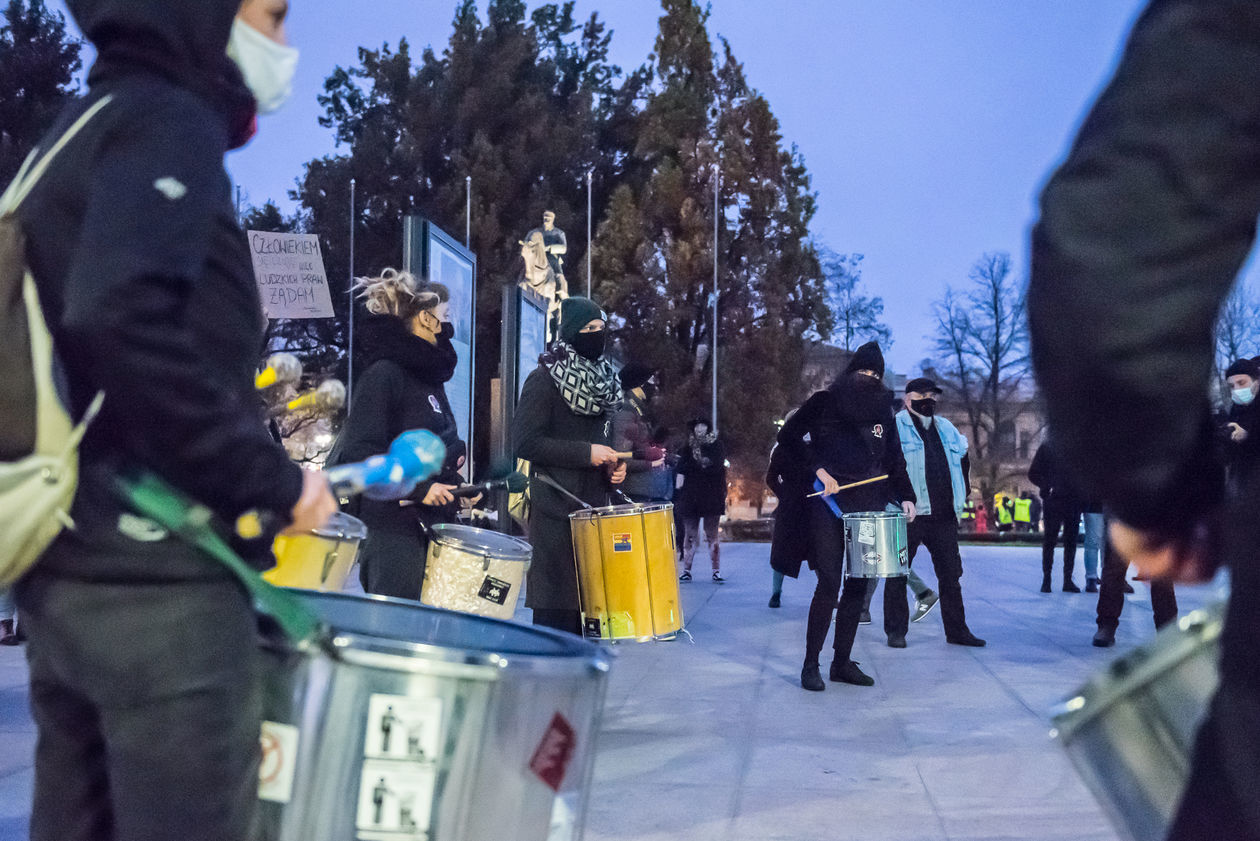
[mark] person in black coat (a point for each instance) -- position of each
(1063, 507)
(563, 427)
(847, 434)
(789, 478)
(701, 495)
(1144, 230)
(143, 651)
(407, 357)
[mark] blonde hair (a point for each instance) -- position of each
(399, 294)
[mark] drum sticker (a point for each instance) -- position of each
(279, 761)
(593, 629)
(403, 728)
(872, 558)
(494, 590)
(903, 557)
(555, 752)
(395, 800)
(622, 542)
(866, 532)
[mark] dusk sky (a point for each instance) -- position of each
(928, 127)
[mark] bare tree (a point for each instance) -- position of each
(982, 364)
(856, 316)
(1237, 327)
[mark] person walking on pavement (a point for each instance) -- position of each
(1062, 512)
(1111, 598)
(563, 426)
(143, 651)
(1144, 230)
(939, 469)
(701, 495)
(790, 480)
(846, 433)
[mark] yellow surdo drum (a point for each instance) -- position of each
(627, 582)
(474, 570)
(320, 559)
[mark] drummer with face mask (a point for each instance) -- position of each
(405, 349)
(563, 426)
(847, 433)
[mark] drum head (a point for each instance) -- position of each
(482, 542)
(621, 510)
(342, 526)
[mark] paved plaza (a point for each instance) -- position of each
(716, 741)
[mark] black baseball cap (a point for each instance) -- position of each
(923, 386)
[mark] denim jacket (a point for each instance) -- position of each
(916, 461)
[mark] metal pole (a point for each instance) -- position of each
(350, 310)
(239, 220)
(716, 183)
(589, 175)
(468, 211)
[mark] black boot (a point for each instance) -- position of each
(1069, 586)
(7, 637)
(1105, 638)
(847, 671)
(1045, 583)
(811, 678)
(1091, 585)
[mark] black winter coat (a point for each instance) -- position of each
(1052, 481)
(401, 389)
(557, 442)
(147, 287)
(703, 491)
(790, 479)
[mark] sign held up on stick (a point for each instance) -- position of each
(289, 271)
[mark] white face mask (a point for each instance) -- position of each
(1243, 396)
(268, 67)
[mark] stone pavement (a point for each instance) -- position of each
(716, 739)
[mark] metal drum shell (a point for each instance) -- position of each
(630, 593)
(888, 544)
(500, 686)
(474, 570)
(320, 559)
(1130, 730)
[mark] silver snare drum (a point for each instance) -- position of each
(418, 723)
(474, 570)
(875, 545)
(1130, 730)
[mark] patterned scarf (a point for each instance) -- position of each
(589, 388)
(697, 443)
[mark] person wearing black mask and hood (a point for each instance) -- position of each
(701, 495)
(632, 433)
(847, 433)
(142, 650)
(407, 358)
(563, 426)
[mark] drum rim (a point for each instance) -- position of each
(1104, 689)
(576, 655)
(440, 531)
(358, 530)
(625, 509)
(874, 515)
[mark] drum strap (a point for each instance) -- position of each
(152, 497)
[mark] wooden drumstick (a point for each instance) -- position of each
(852, 485)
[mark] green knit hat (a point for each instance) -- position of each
(576, 313)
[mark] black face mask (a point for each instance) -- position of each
(649, 392)
(925, 407)
(589, 345)
(447, 331)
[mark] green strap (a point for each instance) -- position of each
(190, 521)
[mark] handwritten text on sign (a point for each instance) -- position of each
(289, 270)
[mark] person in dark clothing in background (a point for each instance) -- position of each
(847, 433)
(143, 652)
(1062, 512)
(632, 433)
(406, 357)
(1241, 427)
(790, 479)
(701, 495)
(940, 472)
(563, 426)
(1111, 597)
(1143, 231)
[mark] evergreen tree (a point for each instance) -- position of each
(37, 66)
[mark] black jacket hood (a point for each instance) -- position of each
(387, 337)
(183, 42)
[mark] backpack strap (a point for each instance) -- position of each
(35, 165)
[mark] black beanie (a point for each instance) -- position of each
(1243, 366)
(634, 375)
(867, 358)
(576, 313)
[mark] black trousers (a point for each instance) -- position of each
(827, 541)
(939, 535)
(1111, 593)
(148, 707)
(569, 621)
(1068, 519)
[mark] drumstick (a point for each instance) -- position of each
(852, 485)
